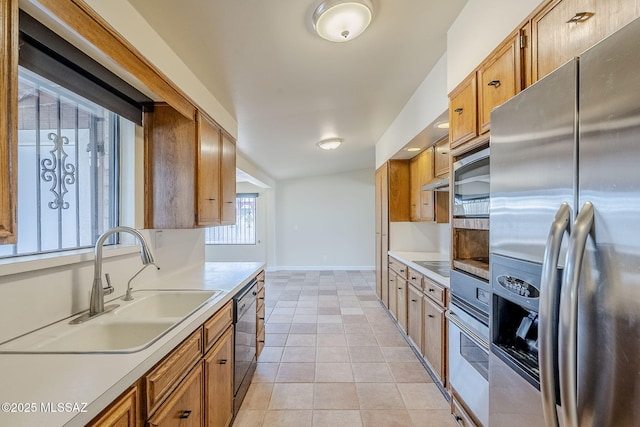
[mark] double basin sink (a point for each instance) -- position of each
(131, 327)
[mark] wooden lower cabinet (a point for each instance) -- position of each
(393, 294)
(184, 408)
(401, 301)
(122, 413)
(218, 370)
(414, 316)
(433, 335)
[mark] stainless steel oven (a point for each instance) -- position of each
(471, 185)
(244, 315)
(469, 361)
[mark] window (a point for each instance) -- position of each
(67, 168)
(243, 232)
(72, 113)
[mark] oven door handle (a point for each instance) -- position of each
(568, 331)
(466, 330)
(549, 300)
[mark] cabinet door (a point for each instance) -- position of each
(184, 407)
(414, 184)
(463, 112)
(433, 328)
(393, 294)
(414, 314)
(8, 119)
(498, 81)
(121, 413)
(219, 381)
(398, 193)
(170, 165)
(441, 159)
(567, 28)
(208, 192)
(228, 178)
(426, 175)
(401, 302)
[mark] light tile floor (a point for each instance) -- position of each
(333, 357)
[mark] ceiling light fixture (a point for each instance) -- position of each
(330, 143)
(412, 149)
(442, 125)
(342, 20)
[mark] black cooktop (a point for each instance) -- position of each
(439, 267)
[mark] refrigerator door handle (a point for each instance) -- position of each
(549, 299)
(567, 334)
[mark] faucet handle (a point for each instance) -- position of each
(108, 290)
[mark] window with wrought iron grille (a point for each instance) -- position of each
(67, 168)
(243, 232)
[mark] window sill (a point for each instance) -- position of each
(28, 263)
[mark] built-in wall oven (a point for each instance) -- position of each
(468, 316)
(244, 315)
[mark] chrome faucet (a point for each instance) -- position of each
(96, 304)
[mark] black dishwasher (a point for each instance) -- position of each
(244, 318)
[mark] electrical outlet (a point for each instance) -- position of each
(159, 239)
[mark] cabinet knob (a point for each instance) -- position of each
(414, 300)
(223, 361)
(399, 289)
(494, 83)
(431, 290)
(184, 414)
(458, 110)
(580, 17)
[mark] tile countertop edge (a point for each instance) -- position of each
(408, 258)
(63, 378)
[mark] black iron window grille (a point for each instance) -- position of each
(243, 232)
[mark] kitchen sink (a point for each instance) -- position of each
(131, 327)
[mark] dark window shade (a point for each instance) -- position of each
(47, 54)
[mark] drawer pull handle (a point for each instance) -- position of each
(494, 83)
(211, 200)
(414, 300)
(458, 110)
(223, 362)
(580, 17)
(457, 417)
(431, 290)
(431, 315)
(184, 414)
(399, 289)
(414, 278)
(228, 202)
(261, 341)
(261, 318)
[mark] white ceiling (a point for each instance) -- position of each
(288, 88)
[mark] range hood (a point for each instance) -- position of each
(439, 184)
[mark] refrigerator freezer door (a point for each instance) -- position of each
(608, 329)
(532, 164)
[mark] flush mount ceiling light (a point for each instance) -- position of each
(412, 149)
(342, 20)
(330, 143)
(442, 125)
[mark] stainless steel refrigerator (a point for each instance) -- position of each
(565, 244)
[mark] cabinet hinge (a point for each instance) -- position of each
(523, 41)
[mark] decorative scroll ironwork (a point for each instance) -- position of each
(57, 171)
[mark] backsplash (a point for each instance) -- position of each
(419, 237)
(33, 299)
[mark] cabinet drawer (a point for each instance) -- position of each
(122, 413)
(415, 278)
(185, 407)
(260, 315)
(260, 299)
(162, 379)
(217, 324)
(434, 291)
(398, 267)
(260, 278)
(460, 415)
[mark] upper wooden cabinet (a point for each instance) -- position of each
(420, 173)
(441, 159)
(189, 171)
(566, 28)
(463, 118)
(398, 190)
(498, 80)
(8, 119)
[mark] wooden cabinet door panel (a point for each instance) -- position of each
(170, 164)
(414, 185)
(184, 408)
(463, 113)
(219, 381)
(498, 81)
(228, 177)
(401, 302)
(209, 162)
(121, 413)
(393, 294)
(433, 328)
(441, 159)
(414, 314)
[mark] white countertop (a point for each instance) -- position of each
(408, 259)
(90, 382)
